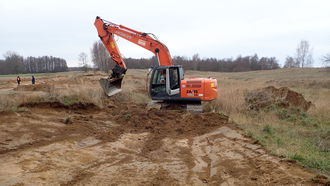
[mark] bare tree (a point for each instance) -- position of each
(326, 60)
(290, 62)
(14, 62)
(195, 60)
(304, 54)
(44, 64)
(100, 57)
(82, 57)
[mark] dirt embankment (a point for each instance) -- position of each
(59, 105)
(270, 96)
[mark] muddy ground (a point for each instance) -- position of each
(48, 143)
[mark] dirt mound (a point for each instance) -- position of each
(59, 105)
(36, 87)
(161, 123)
(281, 97)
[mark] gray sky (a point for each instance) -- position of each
(211, 28)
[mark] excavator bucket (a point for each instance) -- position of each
(111, 86)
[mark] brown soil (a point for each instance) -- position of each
(59, 105)
(282, 97)
(49, 143)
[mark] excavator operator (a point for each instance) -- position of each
(163, 77)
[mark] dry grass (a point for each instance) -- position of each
(304, 138)
(71, 88)
(82, 90)
(68, 90)
(12, 101)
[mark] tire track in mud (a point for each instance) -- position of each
(226, 156)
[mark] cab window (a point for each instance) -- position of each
(159, 77)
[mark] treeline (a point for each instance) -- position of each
(16, 64)
(239, 64)
(102, 60)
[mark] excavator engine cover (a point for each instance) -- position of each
(111, 86)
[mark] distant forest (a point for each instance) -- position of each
(239, 64)
(102, 60)
(16, 64)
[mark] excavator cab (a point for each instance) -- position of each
(165, 82)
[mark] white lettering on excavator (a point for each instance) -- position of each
(142, 42)
(123, 34)
(192, 91)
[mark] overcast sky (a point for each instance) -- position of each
(211, 28)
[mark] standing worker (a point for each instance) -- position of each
(18, 80)
(33, 80)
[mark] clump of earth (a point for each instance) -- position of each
(282, 97)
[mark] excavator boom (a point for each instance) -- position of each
(106, 31)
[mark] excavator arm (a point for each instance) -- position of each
(107, 30)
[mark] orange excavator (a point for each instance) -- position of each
(167, 82)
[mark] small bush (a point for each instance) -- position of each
(267, 129)
(297, 157)
(297, 116)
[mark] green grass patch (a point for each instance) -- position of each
(267, 129)
(307, 144)
(69, 100)
(127, 117)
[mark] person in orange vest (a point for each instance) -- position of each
(18, 80)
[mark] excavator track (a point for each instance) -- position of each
(189, 107)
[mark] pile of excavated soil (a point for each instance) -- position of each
(36, 87)
(166, 123)
(282, 97)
